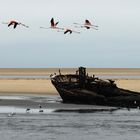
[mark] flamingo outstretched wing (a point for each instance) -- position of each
(52, 22)
(10, 24)
(70, 31)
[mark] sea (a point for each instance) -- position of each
(59, 121)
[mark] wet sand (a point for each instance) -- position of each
(10, 103)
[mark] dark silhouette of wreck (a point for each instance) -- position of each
(83, 89)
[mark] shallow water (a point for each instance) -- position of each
(50, 125)
(100, 125)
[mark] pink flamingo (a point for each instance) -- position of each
(87, 25)
(15, 23)
(53, 25)
(70, 31)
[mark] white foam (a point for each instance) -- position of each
(12, 97)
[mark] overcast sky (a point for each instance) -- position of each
(115, 44)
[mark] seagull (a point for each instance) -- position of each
(11, 114)
(14, 23)
(40, 106)
(28, 109)
(135, 102)
(53, 25)
(40, 110)
(87, 25)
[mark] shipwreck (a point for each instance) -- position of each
(79, 88)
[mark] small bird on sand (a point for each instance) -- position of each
(11, 114)
(28, 109)
(135, 102)
(40, 110)
(39, 106)
(14, 23)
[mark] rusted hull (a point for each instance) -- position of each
(79, 98)
(75, 96)
(82, 89)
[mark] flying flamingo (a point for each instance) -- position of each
(87, 25)
(70, 31)
(53, 25)
(15, 23)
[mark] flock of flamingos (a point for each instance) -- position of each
(54, 25)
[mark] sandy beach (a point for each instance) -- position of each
(44, 86)
(19, 93)
(29, 86)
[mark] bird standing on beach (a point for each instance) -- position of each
(40, 106)
(40, 110)
(87, 25)
(28, 109)
(14, 23)
(11, 114)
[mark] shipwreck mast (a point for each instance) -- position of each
(82, 77)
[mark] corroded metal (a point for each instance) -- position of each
(83, 89)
